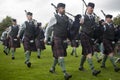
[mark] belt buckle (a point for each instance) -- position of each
(31, 41)
(65, 41)
(15, 39)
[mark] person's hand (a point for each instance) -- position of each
(45, 41)
(17, 36)
(103, 23)
(81, 21)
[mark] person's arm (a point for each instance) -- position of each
(35, 22)
(49, 28)
(21, 30)
(9, 30)
(82, 20)
(2, 36)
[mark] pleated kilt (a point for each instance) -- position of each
(118, 44)
(14, 42)
(59, 46)
(40, 44)
(6, 42)
(87, 44)
(108, 46)
(29, 44)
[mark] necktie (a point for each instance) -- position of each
(91, 18)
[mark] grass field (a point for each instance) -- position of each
(17, 70)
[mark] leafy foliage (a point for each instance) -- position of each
(116, 20)
(5, 23)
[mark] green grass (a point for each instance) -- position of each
(17, 70)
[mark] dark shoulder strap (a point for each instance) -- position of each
(26, 23)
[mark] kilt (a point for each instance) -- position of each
(108, 46)
(75, 43)
(29, 44)
(6, 43)
(87, 44)
(59, 47)
(40, 44)
(118, 45)
(14, 42)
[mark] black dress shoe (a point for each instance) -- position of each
(38, 57)
(76, 56)
(52, 70)
(99, 60)
(29, 64)
(81, 68)
(13, 58)
(117, 69)
(71, 54)
(95, 72)
(67, 76)
(5, 52)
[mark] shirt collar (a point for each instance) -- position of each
(108, 23)
(30, 20)
(89, 14)
(60, 14)
(14, 25)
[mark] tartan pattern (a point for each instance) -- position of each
(108, 46)
(14, 43)
(29, 46)
(59, 47)
(86, 43)
(6, 42)
(40, 44)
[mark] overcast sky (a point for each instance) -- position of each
(43, 10)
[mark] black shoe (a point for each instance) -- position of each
(81, 68)
(29, 64)
(67, 76)
(95, 72)
(38, 57)
(99, 60)
(71, 54)
(5, 52)
(117, 69)
(25, 62)
(13, 58)
(52, 70)
(102, 66)
(76, 56)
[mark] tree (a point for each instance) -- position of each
(5, 23)
(116, 20)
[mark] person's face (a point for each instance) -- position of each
(14, 23)
(90, 10)
(29, 17)
(109, 20)
(61, 10)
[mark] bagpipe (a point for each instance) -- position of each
(75, 23)
(103, 13)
